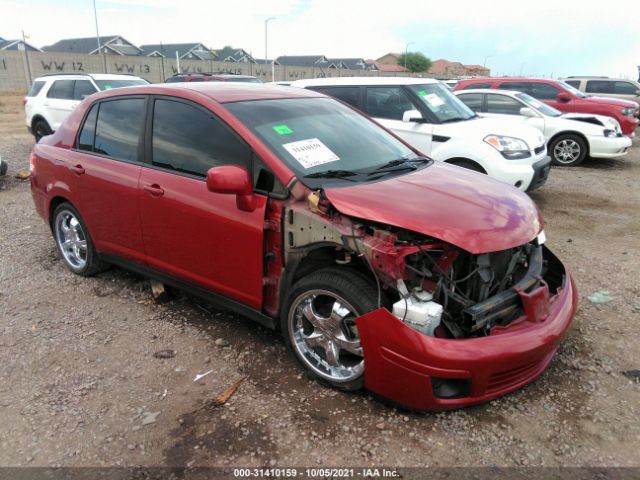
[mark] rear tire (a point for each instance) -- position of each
(41, 129)
(567, 150)
(74, 242)
(318, 325)
(3, 167)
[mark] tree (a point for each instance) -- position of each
(415, 62)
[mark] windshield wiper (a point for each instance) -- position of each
(389, 166)
(343, 174)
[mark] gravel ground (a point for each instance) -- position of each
(80, 386)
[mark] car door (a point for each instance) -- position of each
(387, 104)
(506, 107)
(189, 232)
(59, 102)
(106, 163)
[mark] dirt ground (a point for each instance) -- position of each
(80, 386)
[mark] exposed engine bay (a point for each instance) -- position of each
(436, 288)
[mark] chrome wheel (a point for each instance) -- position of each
(71, 239)
(323, 332)
(567, 151)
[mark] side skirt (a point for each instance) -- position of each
(207, 295)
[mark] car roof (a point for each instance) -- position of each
(603, 79)
(510, 79)
(95, 76)
(356, 81)
(511, 93)
(221, 92)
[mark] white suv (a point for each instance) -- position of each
(53, 97)
(424, 113)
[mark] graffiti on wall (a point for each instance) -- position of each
(54, 66)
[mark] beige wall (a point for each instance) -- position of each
(14, 73)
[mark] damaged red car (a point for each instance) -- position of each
(428, 284)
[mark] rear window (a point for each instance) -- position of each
(517, 86)
(61, 89)
(35, 88)
(476, 85)
(472, 100)
(118, 128)
(573, 83)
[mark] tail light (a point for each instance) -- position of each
(32, 162)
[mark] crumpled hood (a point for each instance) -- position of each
(453, 204)
(607, 122)
(478, 128)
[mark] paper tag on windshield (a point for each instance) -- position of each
(434, 100)
(310, 153)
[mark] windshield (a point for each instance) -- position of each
(314, 136)
(109, 84)
(442, 103)
(543, 108)
(573, 90)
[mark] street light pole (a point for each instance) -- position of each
(266, 24)
(406, 50)
(95, 18)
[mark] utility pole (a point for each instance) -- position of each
(26, 58)
(95, 18)
(273, 68)
(406, 50)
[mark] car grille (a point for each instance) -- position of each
(539, 150)
(515, 376)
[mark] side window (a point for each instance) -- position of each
(472, 100)
(88, 132)
(82, 88)
(544, 91)
(624, 88)
(503, 104)
(477, 85)
(346, 94)
(264, 179)
(599, 86)
(517, 86)
(35, 88)
(62, 89)
(118, 128)
(573, 83)
(387, 102)
(192, 140)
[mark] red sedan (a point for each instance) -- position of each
(426, 283)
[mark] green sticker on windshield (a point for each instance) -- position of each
(422, 93)
(282, 130)
(108, 87)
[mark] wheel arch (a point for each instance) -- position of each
(36, 118)
(562, 133)
(460, 160)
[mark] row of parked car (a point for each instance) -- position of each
(427, 283)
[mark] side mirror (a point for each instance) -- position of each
(527, 112)
(563, 97)
(232, 179)
(412, 116)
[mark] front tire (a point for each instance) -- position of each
(318, 324)
(567, 150)
(74, 242)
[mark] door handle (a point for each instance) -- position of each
(78, 169)
(154, 190)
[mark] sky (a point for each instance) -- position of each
(549, 38)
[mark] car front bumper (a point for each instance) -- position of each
(603, 147)
(409, 368)
(541, 171)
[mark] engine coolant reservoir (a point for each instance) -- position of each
(417, 309)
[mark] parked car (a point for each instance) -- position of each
(607, 87)
(563, 97)
(570, 137)
(53, 97)
(428, 284)
(212, 77)
(424, 113)
(450, 83)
